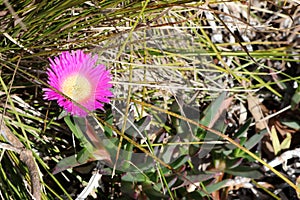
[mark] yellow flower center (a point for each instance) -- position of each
(77, 87)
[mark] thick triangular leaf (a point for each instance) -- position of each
(242, 132)
(275, 141)
(137, 127)
(214, 187)
(296, 99)
(75, 128)
(245, 171)
(286, 143)
(255, 139)
(214, 117)
(72, 161)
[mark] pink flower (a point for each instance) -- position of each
(77, 76)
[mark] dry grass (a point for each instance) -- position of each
(177, 56)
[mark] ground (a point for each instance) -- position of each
(205, 106)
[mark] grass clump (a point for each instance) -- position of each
(206, 94)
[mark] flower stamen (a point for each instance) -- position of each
(77, 87)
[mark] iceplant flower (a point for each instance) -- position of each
(77, 76)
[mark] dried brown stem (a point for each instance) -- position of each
(25, 156)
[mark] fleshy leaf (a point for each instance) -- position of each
(214, 117)
(214, 187)
(72, 161)
(296, 99)
(286, 142)
(275, 140)
(244, 171)
(84, 142)
(255, 139)
(93, 149)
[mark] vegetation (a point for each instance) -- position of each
(206, 100)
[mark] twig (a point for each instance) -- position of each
(283, 158)
(18, 20)
(93, 184)
(25, 156)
